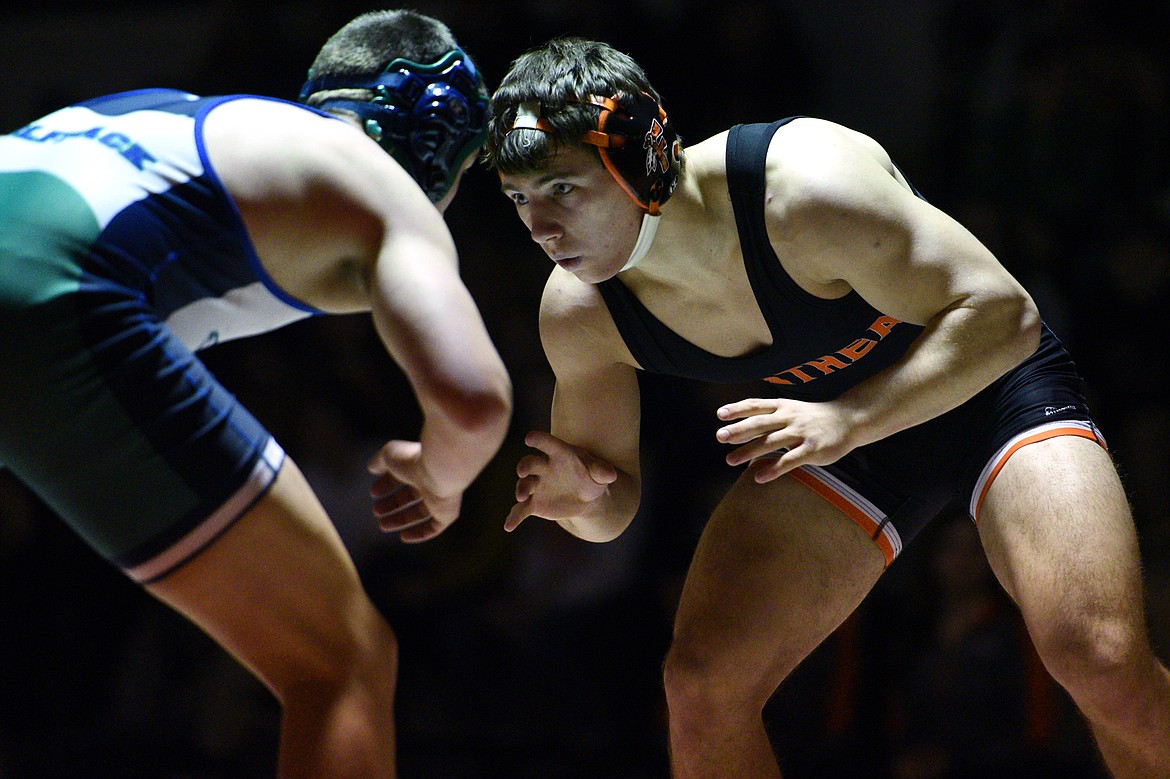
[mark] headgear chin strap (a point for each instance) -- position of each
(644, 242)
(430, 118)
(639, 147)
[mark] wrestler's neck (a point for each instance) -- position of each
(690, 237)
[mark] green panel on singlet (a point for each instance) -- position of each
(57, 416)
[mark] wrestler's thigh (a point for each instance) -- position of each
(776, 570)
(277, 589)
(1058, 533)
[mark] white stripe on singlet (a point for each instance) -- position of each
(262, 476)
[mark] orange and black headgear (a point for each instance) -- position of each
(637, 143)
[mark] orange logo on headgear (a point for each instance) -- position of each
(655, 146)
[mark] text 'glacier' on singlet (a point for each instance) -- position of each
(167, 229)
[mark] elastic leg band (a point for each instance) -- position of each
(872, 520)
(1035, 435)
(262, 476)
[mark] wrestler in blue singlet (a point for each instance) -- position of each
(120, 255)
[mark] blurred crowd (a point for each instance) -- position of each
(1043, 125)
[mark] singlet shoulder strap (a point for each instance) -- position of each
(747, 150)
(747, 155)
(643, 334)
(657, 348)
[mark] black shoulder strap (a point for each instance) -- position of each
(747, 155)
(747, 150)
(644, 335)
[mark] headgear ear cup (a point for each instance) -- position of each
(443, 121)
(639, 147)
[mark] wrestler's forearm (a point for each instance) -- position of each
(959, 353)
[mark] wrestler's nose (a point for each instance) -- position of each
(543, 225)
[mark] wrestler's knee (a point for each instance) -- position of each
(360, 652)
(701, 691)
(1100, 660)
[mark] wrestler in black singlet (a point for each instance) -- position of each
(820, 348)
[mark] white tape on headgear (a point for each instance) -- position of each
(528, 116)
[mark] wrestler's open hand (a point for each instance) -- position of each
(559, 482)
(792, 432)
(403, 503)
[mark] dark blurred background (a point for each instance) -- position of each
(1042, 125)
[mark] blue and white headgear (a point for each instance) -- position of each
(430, 118)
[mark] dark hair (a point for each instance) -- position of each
(366, 45)
(560, 75)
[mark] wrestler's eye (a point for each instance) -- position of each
(518, 198)
(562, 188)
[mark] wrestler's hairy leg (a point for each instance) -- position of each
(776, 571)
(1058, 533)
(279, 592)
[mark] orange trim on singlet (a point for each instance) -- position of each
(1044, 435)
(846, 507)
